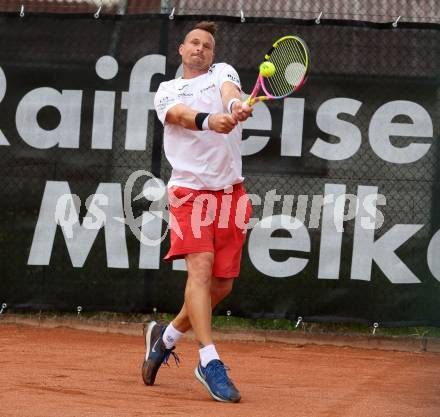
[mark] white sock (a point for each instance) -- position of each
(207, 354)
(170, 336)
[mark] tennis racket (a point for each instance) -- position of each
(284, 70)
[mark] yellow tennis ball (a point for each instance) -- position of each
(267, 69)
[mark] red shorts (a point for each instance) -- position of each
(210, 221)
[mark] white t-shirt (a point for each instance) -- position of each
(202, 160)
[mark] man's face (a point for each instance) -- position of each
(197, 50)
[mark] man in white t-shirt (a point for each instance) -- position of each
(202, 113)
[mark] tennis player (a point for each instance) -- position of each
(201, 113)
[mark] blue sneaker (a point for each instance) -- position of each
(216, 381)
(155, 352)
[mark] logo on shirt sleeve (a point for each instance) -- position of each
(233, 78)
(164, 102)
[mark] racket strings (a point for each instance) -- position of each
(293, 62)
(277, 82)
(300, 69)
(290, 61)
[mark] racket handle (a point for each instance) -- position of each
(253, 100)
(250, 101)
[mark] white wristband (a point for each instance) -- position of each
(205, 125)
(230, 104)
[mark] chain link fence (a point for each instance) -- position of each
(60, 52)
(368, 10)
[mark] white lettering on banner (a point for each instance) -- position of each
(105, 210)
(382, 251)
(104, 106)
(139, 100)
(434, 255)
(318, 201)
(80, 238)
(96, 217)
(349, 135)
(106, 67)
(269, 202)
(385, 137)
(382, 127)
(103, 119)
(150, 234)
(261, 242)
(292, 128)
(331, 236)
(262, 120)
(301, 206)
(66, 213)
(255, 200)
(375, 218)
(3, 140)
(179, 265)
(149, 256)
(66, 134)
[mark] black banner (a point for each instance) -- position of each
(344, 175)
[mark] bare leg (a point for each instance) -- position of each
(220, 289)
(198, 294)
(203, 292)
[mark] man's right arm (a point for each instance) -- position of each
(182, 115)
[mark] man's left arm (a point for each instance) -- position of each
(231, 98)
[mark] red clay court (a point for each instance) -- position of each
(74, 373)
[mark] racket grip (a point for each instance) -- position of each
(250, 101)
